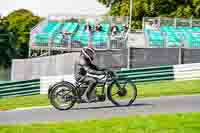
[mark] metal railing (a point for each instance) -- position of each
(164, 21)
(172, 32)
(38, 27)
(91, 18)
(60, 42)
(187, 40)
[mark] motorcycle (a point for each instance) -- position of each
(63, 95)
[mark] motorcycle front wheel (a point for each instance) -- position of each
(122, 93)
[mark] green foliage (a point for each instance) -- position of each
(20, 23)
(14, 35)
(196, 4)
(105, 2)
(7, 45)
(153, 8)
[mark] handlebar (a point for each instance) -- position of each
(111, 74)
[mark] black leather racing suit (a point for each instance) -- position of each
(81, 72)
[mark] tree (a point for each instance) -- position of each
(7, 45)
(196, 4)
(154, 8)
(20, 22)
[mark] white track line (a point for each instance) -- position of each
(28, 108)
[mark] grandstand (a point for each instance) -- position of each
(48, 35)
(172, 32)
(149, 47)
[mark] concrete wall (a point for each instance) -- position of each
(144, 57)
(108, 58)
(34, 68)
(139, 57)
(191, 56)
(44, 66)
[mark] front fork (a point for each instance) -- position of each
(122, 91)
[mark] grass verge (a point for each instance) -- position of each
(156, 89)
(176, 123)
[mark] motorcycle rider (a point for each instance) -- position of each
(85, 72)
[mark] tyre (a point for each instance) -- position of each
(62, 96)
(122, 94)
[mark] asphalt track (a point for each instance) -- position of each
(172, 104)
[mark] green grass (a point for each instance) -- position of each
(176, 123)
(156, 89)
(169, 88)
(25, 101)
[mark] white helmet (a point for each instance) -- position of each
(88, 53)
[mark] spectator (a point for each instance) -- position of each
(65, 37)
(88, 27)
(99, 27)
(74, 20)
(125, 28)
(114, 29)
(156, 25)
